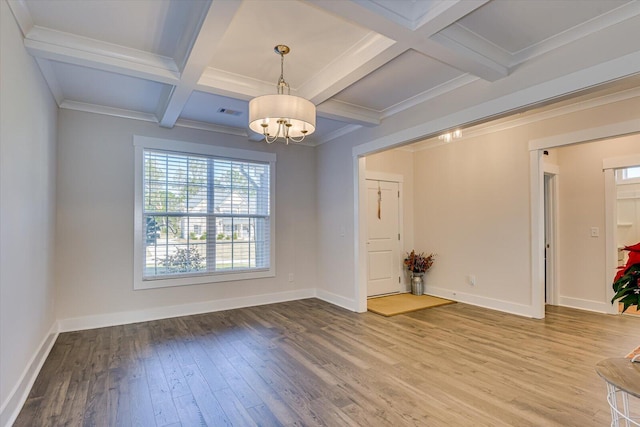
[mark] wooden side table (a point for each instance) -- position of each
(623, 380)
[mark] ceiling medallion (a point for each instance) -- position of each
(284, 116)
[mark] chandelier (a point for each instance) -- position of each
(282, 115)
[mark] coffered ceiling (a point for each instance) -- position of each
(197, 63)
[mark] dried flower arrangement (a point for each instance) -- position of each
(418, 262)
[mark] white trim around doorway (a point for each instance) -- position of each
(536, 147)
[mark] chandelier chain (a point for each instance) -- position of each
(281, 81)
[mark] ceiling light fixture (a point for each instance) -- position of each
(283, 115)
(450, 136)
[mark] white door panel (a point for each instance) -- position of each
(383, 246)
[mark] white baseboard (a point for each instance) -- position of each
(339, 300)
(584, 304)
(126, 317)
(491, 303)
(13, 404)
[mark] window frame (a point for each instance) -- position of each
(141, 143)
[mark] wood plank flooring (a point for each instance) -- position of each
(308, 363)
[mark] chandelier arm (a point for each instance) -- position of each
(297, 140)
(270, 140)
(291, 138)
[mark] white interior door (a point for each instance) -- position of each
(383, 238)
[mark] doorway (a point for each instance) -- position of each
(537, 168)
(550, 233)
(383, 237)
(627, 200)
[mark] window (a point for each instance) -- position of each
(630, 175)
(203, 214)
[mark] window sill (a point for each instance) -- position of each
(140, 284)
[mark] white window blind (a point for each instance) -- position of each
(204, 215)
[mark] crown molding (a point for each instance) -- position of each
(485, 129)
(108, 111)
(337, 134)
(146, 117)
(211, 127)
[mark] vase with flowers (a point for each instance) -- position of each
(626, 284)
(417, 264)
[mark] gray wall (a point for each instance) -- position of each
(27, 212)
(94, 241)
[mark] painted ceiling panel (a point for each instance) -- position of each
(208, 108)
(517, 25)
(98, 87)
(406, 76)
(405, 12)
(156, 26)
(315, 37)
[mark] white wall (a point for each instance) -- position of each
(582, 276)
(473, 210)
(335, 262)
(27, 216)
(94, 242)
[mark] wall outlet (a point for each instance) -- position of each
(471, 279)
(290, 277)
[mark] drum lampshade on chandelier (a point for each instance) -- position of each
(283, 115)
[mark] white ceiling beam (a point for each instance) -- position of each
(352, 65)
(64, 47)
(338, 110)
(456, 35)
(445, 14)
(214, 25)
(223, 83)
(467, 61)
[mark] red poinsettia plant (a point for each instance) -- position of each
(418, 262)
(626, 284)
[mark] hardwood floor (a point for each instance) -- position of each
(310, 363)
